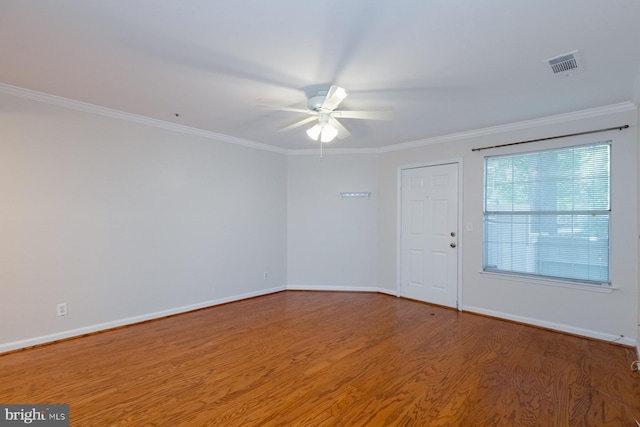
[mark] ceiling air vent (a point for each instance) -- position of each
(566, 64)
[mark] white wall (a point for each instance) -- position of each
(332, 242)
(125, 222)
(601, 315)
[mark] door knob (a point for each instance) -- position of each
(453, 245)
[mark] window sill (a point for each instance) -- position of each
(604, 289)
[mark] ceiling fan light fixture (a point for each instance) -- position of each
(328, 134)
(314, 132)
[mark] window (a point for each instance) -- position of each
(547, 213)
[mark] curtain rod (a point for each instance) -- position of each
(551, 137)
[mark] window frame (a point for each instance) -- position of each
(539, 277)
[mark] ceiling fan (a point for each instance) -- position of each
(322, 108)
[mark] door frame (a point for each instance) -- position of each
(458, 161)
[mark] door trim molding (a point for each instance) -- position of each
(459, 162)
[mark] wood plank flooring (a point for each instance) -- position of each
(329, 359)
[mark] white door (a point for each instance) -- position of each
(429, 234)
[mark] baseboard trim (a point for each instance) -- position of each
(393, 293)
(555, 326)
(58, 336)
(340, 288)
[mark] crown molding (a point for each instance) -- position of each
(117, 114)
(527, 124)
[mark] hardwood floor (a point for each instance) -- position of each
(324, 358)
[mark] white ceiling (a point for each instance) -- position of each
(442, 66)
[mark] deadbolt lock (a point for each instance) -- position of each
(453, 234)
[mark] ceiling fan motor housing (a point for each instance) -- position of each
(315, 102)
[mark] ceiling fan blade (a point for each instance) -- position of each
(297, 124)
(342, 131)
(365, 115)
(279, 108)
(334, 97)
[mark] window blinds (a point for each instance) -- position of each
(547, 213)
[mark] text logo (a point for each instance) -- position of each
(34, 415)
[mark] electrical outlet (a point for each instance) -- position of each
(62, 309)
(266, 275)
